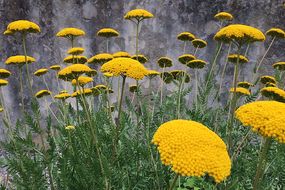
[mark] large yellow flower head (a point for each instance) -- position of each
(23, 26)
(100, 58)
(70, 32)
(264, 117)
(82, 80)
(276, 32)
(73, 71)
(224, 16)
(41, 72)
(185, 58)
(108, 33)
(191, 149)
(199, 43)
(167, 77)
(55, 67)
(273, 93)
(186, 36)
(75, 59)
(240, 91)
(244, 84)
(62, 96)
(265, 79)
(138, 15)
(4, 73)
(164, 62)
(196, 64)
(19, 60)
(239, 33)
(141, 58)
(121, 54)
(233, 58)
(3, 82)
(42, 93)
(279, 66)
(75, 51)
(126, 67)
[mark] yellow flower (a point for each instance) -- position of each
(55, 67)
(266, 79)
(126, 67)
(41, 72)
(70, 128)
(239, 33)
(108, 32)
(185, 58)
(164, 62)
(141, 58)
(276, 32)
(279, 66)
(3, 82)
(138, 14)
(121, 54)
(107, 74)
(4, 73)
(23, 26)
(91, 73)
(19, 60)
(82, 80)
(273, 93)
(167, 77)
(270, 84)
(8, 32)
(63, 91)
(264, 117)
(62, 96)
(196, 64)
(42, 93)
(180, 75)
(101, 88)
(224, 16)
(152, 73)
(86, 91)
(100, 58)
(73, 71)
(133, 88)
(1, 109)
(70, 33)
(75, 59)
(76, 51)
(234, 57)
(244, 84)
(199, 43)
(186, 36)
(240, 91)
(191, 149)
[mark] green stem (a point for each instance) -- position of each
(107, 44)
(21, 87)
(196, 90)
(26, 62)
(173, 182)
(179, 99)
(184, 47)
(120, 110)
(161, 86)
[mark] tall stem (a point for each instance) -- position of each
(107, 48)
(196, 90)
(184, 47)
(26, 61)
(161, 85)
(173, 182)
(21, 88)
(179, 98)
(120, 109)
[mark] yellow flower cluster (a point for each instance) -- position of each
(239, 33)
(240, 91)
(273, 93)
(267, 79)
(180, 75)
(108, 75)
(244, 84)
(141, 58)
(276, 32)
(42, 93)
(164, 62)
(55, 67)
(138, 14)
(199, 43)
(264, 117)
(62, 96)
(126, 67)
(152, 73)
(185, 58)
(76, 51)
(196, 64)
(224, 16)
(41, 72)
(70, 128)
(270, 84)
(108, 32)
(22, 26)
(121, 54)
(19, 60)
(133, 88)
(186, 36)
(167, 77)
(4, 73)
(235, 57)
(192, 149)
(3, 82)
(100, 58)
(73, 71)
(85, 91)
(279, 66)
(75, 59)
(82, 80)
(70, 32)
(8, 32)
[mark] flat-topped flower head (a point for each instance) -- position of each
(164, 62)
(42, 93)
(73, 71)
(100, 58)
(180, 75)
(3, 82)
(138, 15)
(8, 32)
(4, 73)
(41, 72)
(70, 33)
(279, 66)
(82, 81)
(55, 67)
(192, 149)
(240, 34)
(244, 84)
(152, 73)
(70, 128)
(75, 59)
(63, 91)
(91, 73)
(199, 43)
(19, 60)
(240, 91)
(276, 32)
(167, 77)
(75, 51)
(185, 58)
(233, 58)
(121, 54)
(23, 26)
(126, 67)
(270, 84)
(196, 64)
(62, 96)
(141, 58)
(1, 109)
(108, 75)
(108, 32)
(273, 93)
(265, 79)
(186, 36)
(85, 92)
(265, 118)
(222, 16)
(133, 88)
(100, 89)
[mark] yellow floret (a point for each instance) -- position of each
(4, 73)
(108, 32)
(224, 16)
(19, 60)
(42, 93)
(76, 51)
(121, 54)
(100, 58)
(186, 36)
(23, 26)
(82, 80)
(70, 32)
(138, 14)
(240, 91)
(276, 32)
(41, 72)
(3, 82)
